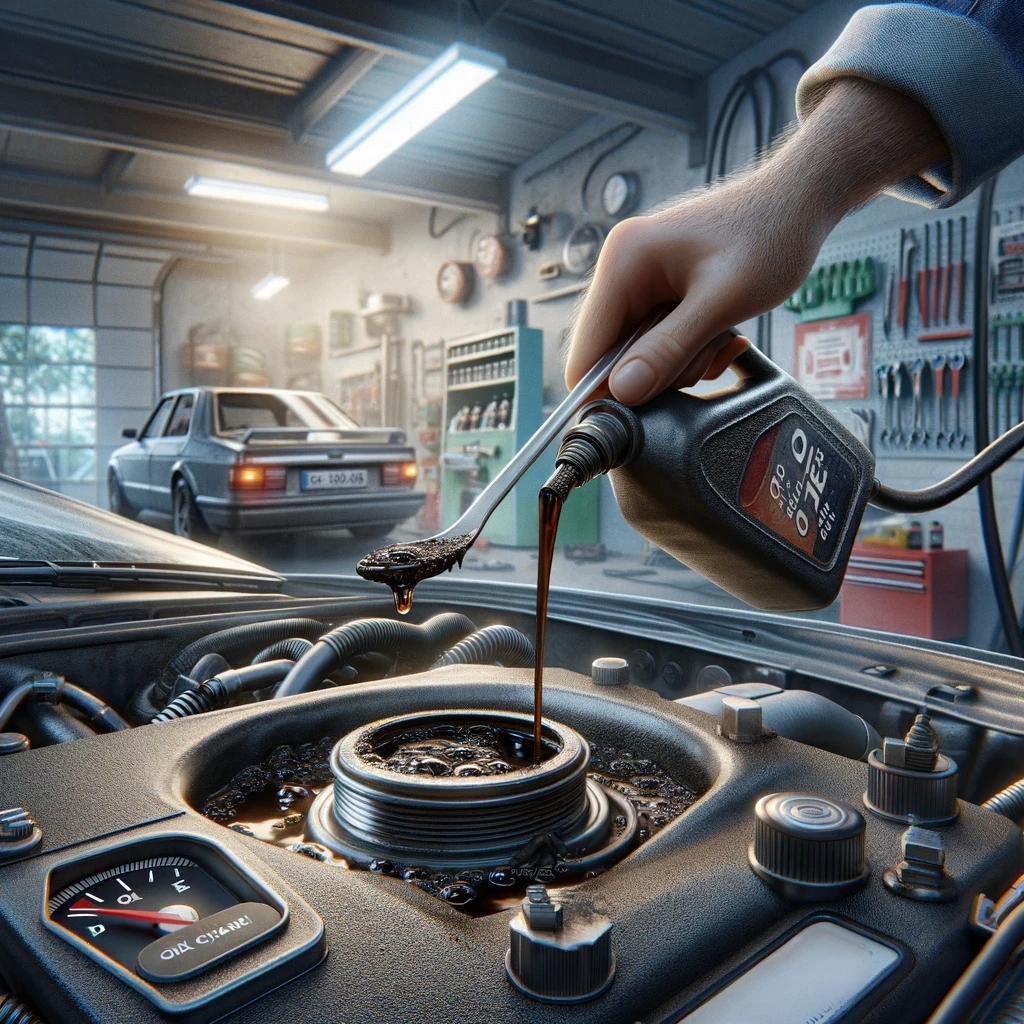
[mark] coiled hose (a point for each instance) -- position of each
(335, 648)
(1011, 1009)
(24, 681)
(1008, 802)
(238, 641)
(501, 644)
(13, 1011)
(293, 648)
(221, 689)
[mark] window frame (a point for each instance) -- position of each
(190, 397)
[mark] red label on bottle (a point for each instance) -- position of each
(799, 487)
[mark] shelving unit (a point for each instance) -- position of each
(478, 443)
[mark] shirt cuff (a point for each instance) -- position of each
(954, 67)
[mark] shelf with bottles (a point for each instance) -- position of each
(464, 351)
(487, 371)
(498, 414)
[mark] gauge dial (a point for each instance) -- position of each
(490, 257)
(122, 910)
(455, 281)
(619, 194)
(582, 248)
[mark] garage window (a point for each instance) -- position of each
(48, 395)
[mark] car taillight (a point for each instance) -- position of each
(394, 473)
(250, 476)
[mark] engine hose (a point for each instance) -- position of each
(1011, 1009)
(238, 641)
(56, 689)
(221, 689)
(1008, 802)
(962, 999)
(13, 1011)
(390, 635)
(293, 648)
(501, 644)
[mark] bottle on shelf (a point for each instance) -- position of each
(474, 417)
(935, 535)
(504, 413)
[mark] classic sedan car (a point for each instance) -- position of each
(249, 460)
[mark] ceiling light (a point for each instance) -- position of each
(459, 71)
(249, 192)
(269, 286)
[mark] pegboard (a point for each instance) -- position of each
(884, 248)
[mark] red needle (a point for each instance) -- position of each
(149, 916)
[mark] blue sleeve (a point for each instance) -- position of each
(962, 60)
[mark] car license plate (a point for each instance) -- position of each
(331, 479)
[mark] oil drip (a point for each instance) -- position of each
(549, 509)
(402, 566)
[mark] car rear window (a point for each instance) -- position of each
(238, 412)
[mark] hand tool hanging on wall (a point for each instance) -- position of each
(897, 393)
(918, 433)
(882, 374)
(947, 277)
(956, 364)
(996, 382)
(938, 365)
(907, 244)
(961, 273)
(923, 281)
(936, 284)
(890, 292)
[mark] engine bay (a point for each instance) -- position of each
(729, 810)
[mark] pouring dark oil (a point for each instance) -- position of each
(549, 509)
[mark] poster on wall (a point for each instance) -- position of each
(832, 357)
(360, 396)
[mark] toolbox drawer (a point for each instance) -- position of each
(920, 593)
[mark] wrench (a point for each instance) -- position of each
(882, 373)
(956, 364)
(897, 391)
(938, 364)
(918, 434)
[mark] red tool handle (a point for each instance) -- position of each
(901, 314)
(936, 282)
(922, 295)
(960, 289)
(947, 288)
(955, 383)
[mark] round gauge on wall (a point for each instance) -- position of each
(455, 281)
(582, 248)
(490, 256)
(620, 192)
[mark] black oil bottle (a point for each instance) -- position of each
(757, 487)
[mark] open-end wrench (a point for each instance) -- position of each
(897, 391)
(938, 364)
(956, 364)
(918, 433)
(882, 373)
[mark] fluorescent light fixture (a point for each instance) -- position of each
(249, 192)
(269, 286)
(459, 71)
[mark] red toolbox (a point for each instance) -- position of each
(920, 593)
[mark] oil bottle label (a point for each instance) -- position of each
(798, 486)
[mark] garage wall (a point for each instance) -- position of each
(61, 281)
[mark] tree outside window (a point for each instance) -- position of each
(48, 403)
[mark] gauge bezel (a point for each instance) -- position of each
(208, 989)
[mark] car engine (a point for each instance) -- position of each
(729, 813)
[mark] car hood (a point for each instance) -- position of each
(39, 524)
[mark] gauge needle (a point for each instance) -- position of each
(148, 916)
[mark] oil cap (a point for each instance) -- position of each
(559, 954)
(808, 847)
(610, 671)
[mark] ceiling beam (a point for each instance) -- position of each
(147, 128)
(70, 200)
(578, 71)
(339, 75)
(114, 168)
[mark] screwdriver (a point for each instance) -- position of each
(961, 307)
(937, 272)
(922, 282)
(947, 282)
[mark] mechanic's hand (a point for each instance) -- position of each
(740, 248)
(723, 256)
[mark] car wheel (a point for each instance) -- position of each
(373, 532)
(188, 520)
(117, 501)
